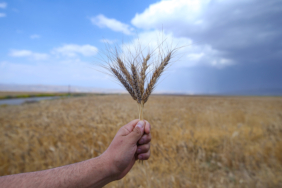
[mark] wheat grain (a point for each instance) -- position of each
(124, 70)
(136, 83)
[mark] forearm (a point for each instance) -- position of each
(94, 172)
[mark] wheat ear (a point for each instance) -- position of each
(143, 74)
(124, 83)
(157, 73)
(136, 83)
(124, 70)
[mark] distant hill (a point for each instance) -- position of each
(256, 92)
(50, 88)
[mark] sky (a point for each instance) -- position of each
(229, 46)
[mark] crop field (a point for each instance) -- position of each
(197, 141)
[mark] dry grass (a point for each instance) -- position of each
(197, 141)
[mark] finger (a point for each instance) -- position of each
(128, 128)
(146, 138)
(144, 156)
(143, 148)
(147, 127)
(137, 133)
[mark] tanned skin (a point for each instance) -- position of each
(132, 142)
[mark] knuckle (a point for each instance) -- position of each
(149, 125)
(138, 131)
(149, 154)
(146, 156)
(149, 138)
(147, 147)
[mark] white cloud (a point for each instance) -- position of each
(113, 24)
(149, 41)
(107, 41)
(222, 62)
(189, 55)
(2, 15)
(72, 50)
(166, 11)
(35, 36)
(195, 56)
(20, 53)
(29, 54)
(3, 5)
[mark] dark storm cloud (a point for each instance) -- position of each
(246, 32)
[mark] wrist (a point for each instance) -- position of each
(100, 171)
(109, 168)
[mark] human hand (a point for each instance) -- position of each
(131, 142)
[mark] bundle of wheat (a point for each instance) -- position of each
(133, 72)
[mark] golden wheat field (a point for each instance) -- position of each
(196, 141)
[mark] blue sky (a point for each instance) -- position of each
(233, 46)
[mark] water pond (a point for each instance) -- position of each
(24, 100)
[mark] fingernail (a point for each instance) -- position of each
(141, 141)
(140, 157)
(140, 124)
(138, 150)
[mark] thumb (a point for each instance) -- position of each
(137, 132)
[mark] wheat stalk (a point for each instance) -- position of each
(156, 75)
(143, 74)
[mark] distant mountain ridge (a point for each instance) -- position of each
(51, 88)
(256, 91)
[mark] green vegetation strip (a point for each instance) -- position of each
(40, 95)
